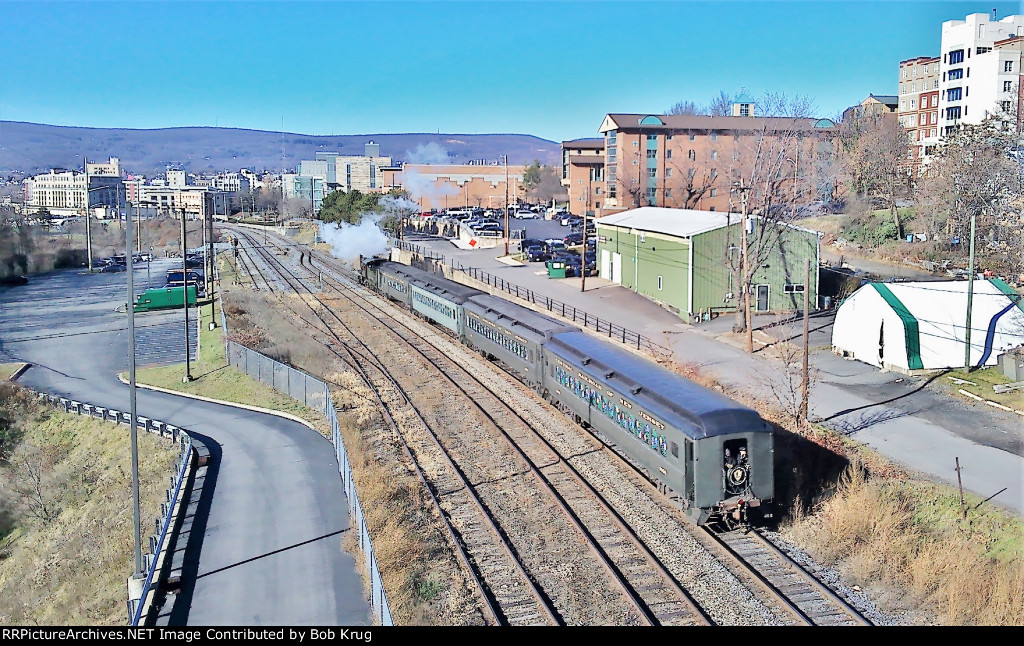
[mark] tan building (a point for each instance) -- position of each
(692, 161)
(450, 186)
(583, 174)
(63, 192)
(919, 107)
(172, 199)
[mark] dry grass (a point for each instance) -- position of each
(888, 530)
(64, 558)
(913, 536)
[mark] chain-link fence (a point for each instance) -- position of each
(315, 394)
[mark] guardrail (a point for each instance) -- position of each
(582, 317)
(163, 524)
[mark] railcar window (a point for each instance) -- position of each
(496, 336)
(434, 304)
(638, 429)
(675, 450)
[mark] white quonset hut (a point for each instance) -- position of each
(921, 326)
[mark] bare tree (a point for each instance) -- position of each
(686, 107)
(629, 180)
(33, 482)
(692, 176)
(875, 160)
(977, 171)
(721, 105)
(765, 171)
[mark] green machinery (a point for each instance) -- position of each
(163, 298)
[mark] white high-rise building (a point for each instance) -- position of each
(980, 69)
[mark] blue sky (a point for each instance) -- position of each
(552, 69)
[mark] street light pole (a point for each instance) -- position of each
(184, 288)
(506, 204)
(131, 394)
(88, 224)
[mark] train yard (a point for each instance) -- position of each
(551, 525)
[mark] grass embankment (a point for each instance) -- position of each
(892, 532)
(8, 369)
(980, 382)
(214, 378)
(910, 540)
(66, 522)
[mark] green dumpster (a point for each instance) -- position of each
(164, 298)
(556, 269)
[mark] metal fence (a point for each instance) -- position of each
(602, 326)
(315, 394)
(162, 525)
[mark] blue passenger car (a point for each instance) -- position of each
(511, 333)
(441, 301)
(713, 453)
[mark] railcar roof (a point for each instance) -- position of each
(455, 292)
(523, 317)
(698, 411)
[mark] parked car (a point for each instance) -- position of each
(526, 215)
(553, 246)
(536, 254)
(573, 239)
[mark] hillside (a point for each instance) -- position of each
(28, 148)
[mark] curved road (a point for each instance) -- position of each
(271, 546)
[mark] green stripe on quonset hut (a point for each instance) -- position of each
(911, 332)
(1006, 289)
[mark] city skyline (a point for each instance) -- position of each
(547, 69)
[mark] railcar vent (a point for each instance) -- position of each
(636, 389)
(609, 374)
(586, 361)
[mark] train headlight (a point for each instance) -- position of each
(737, 476)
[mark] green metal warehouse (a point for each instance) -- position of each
(687, 260)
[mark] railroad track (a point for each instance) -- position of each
(507, 592)
(794, 590)
(656, 593)
(655, 597)
(810, 601)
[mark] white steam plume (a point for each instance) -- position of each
(430, 153)
(349, 241)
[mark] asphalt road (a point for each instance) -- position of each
(907, 419)
(270, 553)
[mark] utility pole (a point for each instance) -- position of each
(209, 279)
(131, 394)
(807, 334)
(506, 204)
(583, 253)
(88, 223)
(745, 280)
(184, 289)
(970, 299)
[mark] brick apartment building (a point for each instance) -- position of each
(692, 161)
(583, 174)
(919, 107)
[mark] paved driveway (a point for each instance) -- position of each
(275, 514)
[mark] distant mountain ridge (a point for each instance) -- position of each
(32, 148)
